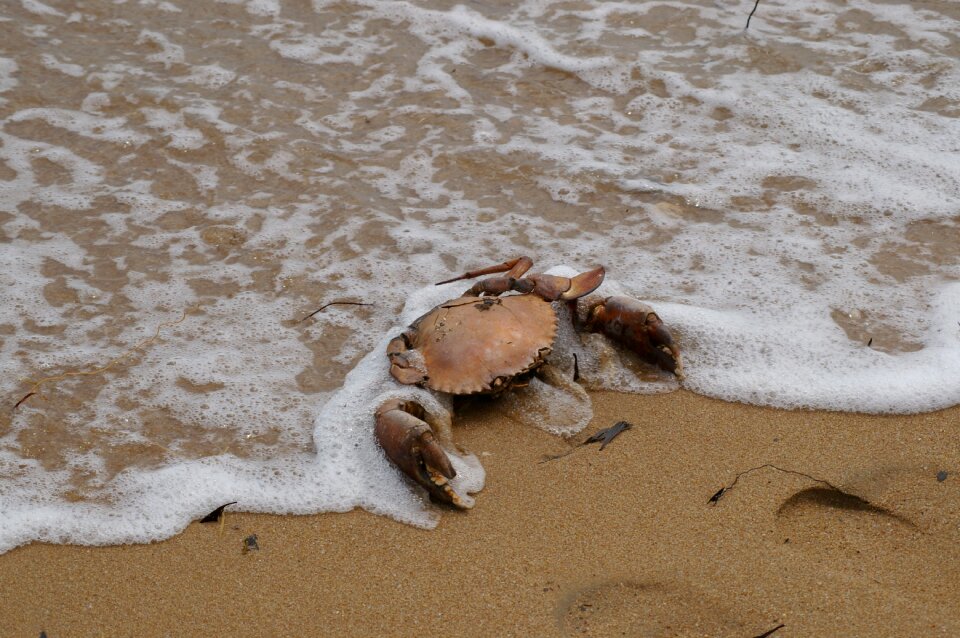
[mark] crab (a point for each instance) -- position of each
(489, 341)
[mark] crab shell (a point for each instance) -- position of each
(475, 345)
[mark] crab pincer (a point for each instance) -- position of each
(635, 325)
(410, 444)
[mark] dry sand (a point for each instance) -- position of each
(621, 542)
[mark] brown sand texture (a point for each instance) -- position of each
(855, 535)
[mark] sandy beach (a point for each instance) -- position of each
(623, 542)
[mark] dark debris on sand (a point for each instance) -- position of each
(217, 514)
(250, 544)
(603, 437)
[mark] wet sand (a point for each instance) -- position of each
(618, 542)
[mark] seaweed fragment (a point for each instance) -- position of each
(606, 435)
(767, 634)
(716, 497)
(603, 437)
(217, 514)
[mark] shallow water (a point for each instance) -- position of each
(181, 183)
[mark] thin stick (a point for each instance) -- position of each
(27, 396)
(335, 303)
(723, 490)
(755, 5)
(554, 457)
(35, 388)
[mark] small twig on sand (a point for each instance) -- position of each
(755, 5)
(334, 303)
(723, 490)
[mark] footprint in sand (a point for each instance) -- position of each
(879, 515)
(816, 511)
(842, 524)
(850, 533)
(907, 556)
(654, 609)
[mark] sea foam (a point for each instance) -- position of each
(177, 199)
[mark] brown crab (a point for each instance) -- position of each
(486, 342)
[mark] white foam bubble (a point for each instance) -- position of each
(95, 102)
(181, 136)
(169, 53)
(51, 62)
(8, 80)
(112, 129)
(212, 76)
(264, 7)
(809, 363)
(39, 8)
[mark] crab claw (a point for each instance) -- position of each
(584, 283)
(409, 443)
(552, 287)
(635, 325)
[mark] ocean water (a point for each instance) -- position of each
(181, 183)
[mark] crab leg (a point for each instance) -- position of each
(403, 367)
(410, 444)
(548, 287)
(552, 376)
(635, 325)
(514, 268)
